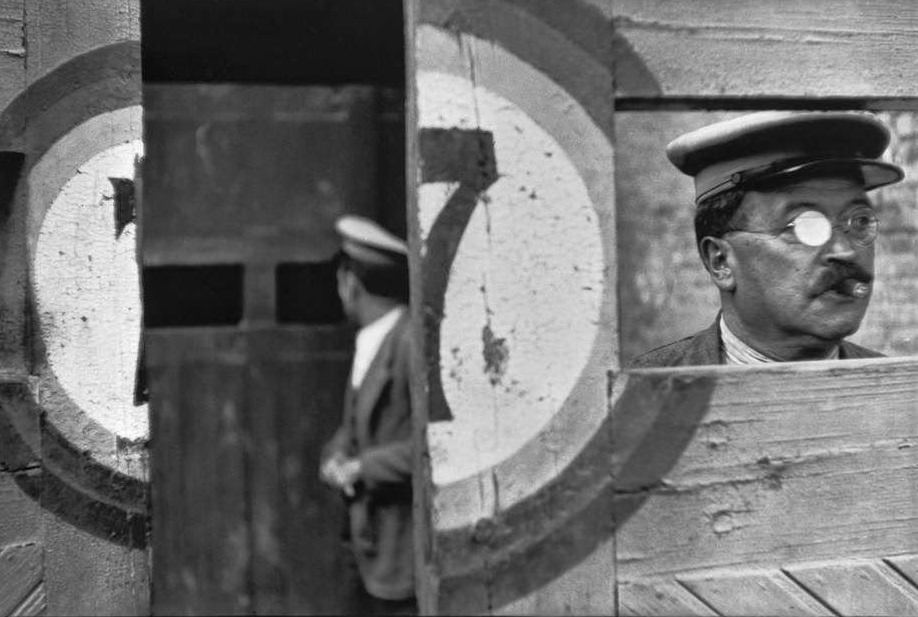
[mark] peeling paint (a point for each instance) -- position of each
(496, 355)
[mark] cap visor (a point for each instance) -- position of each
(874, 173)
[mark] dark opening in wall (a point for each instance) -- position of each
(185, 296)
(273, 41)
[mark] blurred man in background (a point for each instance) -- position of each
(370, 457)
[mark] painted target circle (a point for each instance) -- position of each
(85, 281)
(542, 300)
(80, 129)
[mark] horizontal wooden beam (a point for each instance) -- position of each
(748, 48)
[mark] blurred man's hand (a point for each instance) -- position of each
(341, 473)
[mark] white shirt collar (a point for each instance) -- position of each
(738, 352)
(369, 339)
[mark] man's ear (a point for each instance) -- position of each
(717, 255)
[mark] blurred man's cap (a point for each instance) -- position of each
(367, 242)
(774, 145)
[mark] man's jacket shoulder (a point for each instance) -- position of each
(704, 348)
(700, 348)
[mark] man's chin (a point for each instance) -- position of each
(834, 331)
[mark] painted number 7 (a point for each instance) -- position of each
(449, 155)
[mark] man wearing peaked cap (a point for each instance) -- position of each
(369, 459)
(786, 231)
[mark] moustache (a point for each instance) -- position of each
(851, 280)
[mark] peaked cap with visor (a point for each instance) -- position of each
(775, 145)
(369, 243)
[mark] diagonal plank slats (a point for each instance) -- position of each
(858, 588)
(35, 604)
(907, 566)
(20, 575)
(661, 597)
(754, 593)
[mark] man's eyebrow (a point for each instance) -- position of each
(861, 201)
(792, 205)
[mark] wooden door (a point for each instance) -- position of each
(260, 131)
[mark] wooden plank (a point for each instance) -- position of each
(907, 565)
(35, 604)
(20, 433)
(61, 30)
(778, 467)
(201, 547)
(752, 592)
(687, 48)
(232, 199)
(87, 573)
(20, 574)
(296, 391)
(858, 587)
(659, 597)
(13, 327)
(19, 513)
(497, 82)
(12, 50)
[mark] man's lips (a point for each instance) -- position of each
(853, 284)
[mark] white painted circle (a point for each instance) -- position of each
(87, 292)
(529, 271)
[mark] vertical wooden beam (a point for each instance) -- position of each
(425, 570)
(514, 119)
(202, 540)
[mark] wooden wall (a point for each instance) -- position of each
(243, 400)
(73, 484)
(560, 246)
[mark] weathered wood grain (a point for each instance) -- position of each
(776, 49)
(234, 199)
(750, 592)
(907, 565)
(298, 560)
(790, 467)
(858, 587)
(659, 597)
(91, 574)
(20, 432)
(35, 604)
(12, 50)
(20, 522)
(21, 574)
(202, 544)
(61, 30)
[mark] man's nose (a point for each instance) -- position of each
(841, 247)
